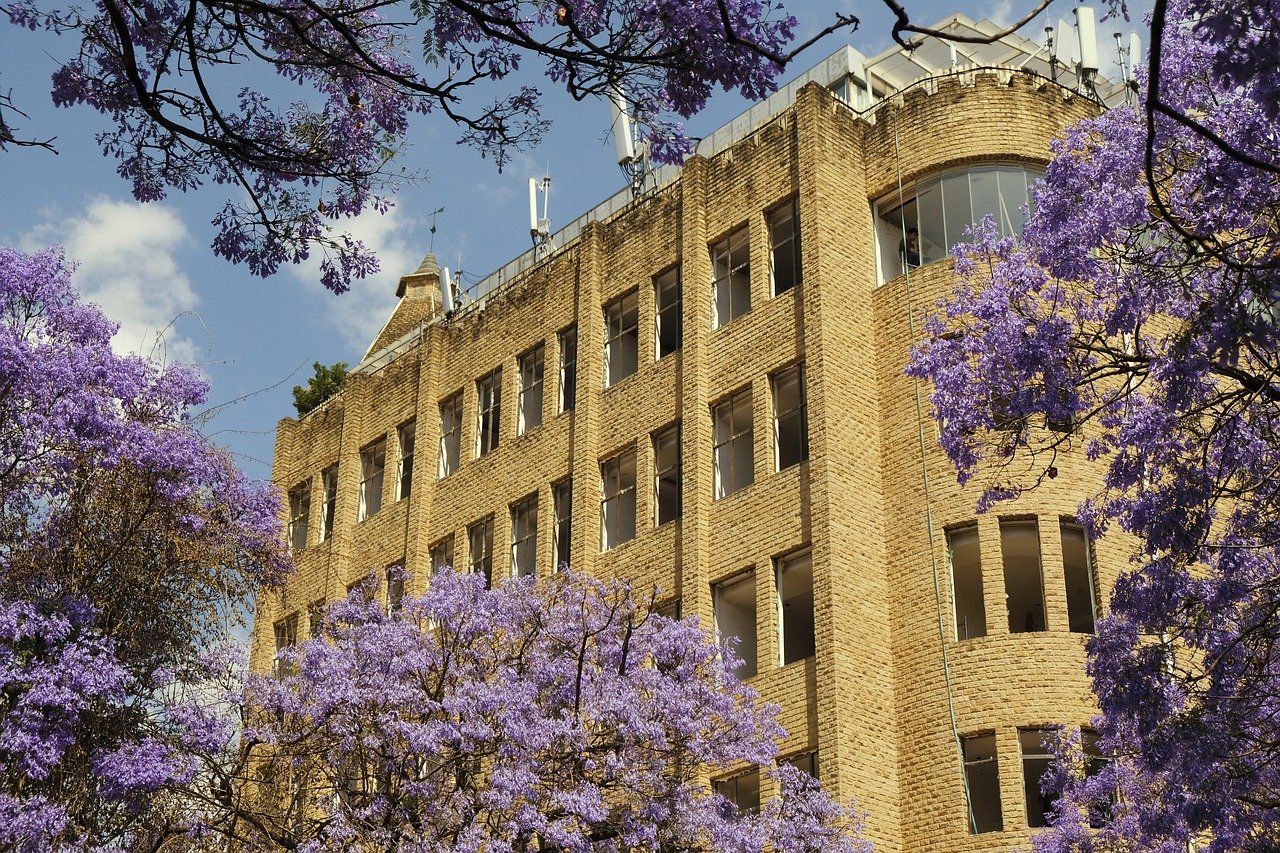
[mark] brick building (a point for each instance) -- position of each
(701, 389)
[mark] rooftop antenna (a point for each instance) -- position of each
(633, 159)
(540, 226)
(447, 298)
(1087, 33)
(1049, 46)
(434, 213)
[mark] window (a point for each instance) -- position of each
(784, 237)
(488, 410)
(618, 499)
(731, 278)
(667, 313)
(329, 482)
(562, 497)
(734, 444)
(450, 435)
(790, 422)
(1023, 585)
(373, 461)
(1036, 758)
(932, 219)
(621, 338)
(480, 540)
(1095, 761)
(805, 762)
(734, 602)
(670, 610)
(982, 783)
(394, 577)
(315, 617)
(524, 536)
(442, 553)
(666, 475)
(568, 368)
(1078, 568)
(286, 631)
(299, 516)
(531, 368)
(793, 575)
(966, 583)
(404, 478)
(742, 790)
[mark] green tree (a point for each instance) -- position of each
(327, 382)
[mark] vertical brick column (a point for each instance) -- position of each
(585, 448)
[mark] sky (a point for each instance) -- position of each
(151, 269)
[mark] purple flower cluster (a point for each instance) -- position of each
(1140, 306)
(559, 712)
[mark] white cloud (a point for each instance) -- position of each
(128, 265)
(1000, 12)
(359, 314)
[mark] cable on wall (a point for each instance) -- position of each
(924, 477)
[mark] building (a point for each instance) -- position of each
(701, 389)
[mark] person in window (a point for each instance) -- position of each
(909, 249)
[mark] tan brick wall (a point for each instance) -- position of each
(877, 699)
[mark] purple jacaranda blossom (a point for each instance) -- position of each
(1140, 307)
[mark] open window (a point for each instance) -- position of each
(731, 278)
(1081, 577)
(373, 463)
(404, 476)
(530, 408)
(286, 636)
(524, 536)
(794, 584)
(480, 543)
(621, 338)
(734, 601)
(568, 368)
(450, 434)
(1023, 579)
(920, 224)
(734, 444)
(667, 313)
(982, 783)
(790, 420)
(394, 577)
(442, 554)
(488, 412)
(299, 515)
(618, 499)
(966, 582)
(562, 497)
(666, 475)
(743, 790)
(328, 482)
(784, 240)
(1036, 758)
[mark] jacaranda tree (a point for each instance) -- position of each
(1142, 306)
(555, 714)
(126, 545)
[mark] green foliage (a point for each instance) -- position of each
(327, 382)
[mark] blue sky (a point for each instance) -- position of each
(255, 338)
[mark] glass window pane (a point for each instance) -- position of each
(966, 583)
(1013, 197)
(986, 197)
(932, 236)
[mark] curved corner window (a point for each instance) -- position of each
(920, 225)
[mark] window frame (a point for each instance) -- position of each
(1035, 619)
(562, 509)
(664, 470)
(748, 640)
(450, 456)
(489, 412)
(1075, 622)
(731, 268)
(532, 367)
(791, 209)
(783, 420)
(617, 486)
(725, 447)
(621, 337)
(963, 629)
(406, 436)
(1043, 759)
(970, 765)
(329, 504)
(670, 309)
(372, 478)
(299, 515)
(524, 536)
(480, 559)
(568, 342)
(442, 547)
(807, 646)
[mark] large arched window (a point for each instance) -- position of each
(920, 225)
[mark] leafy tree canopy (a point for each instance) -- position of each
(327, 381)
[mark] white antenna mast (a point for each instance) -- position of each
(633, 159)
(446, 292)
(540, 226)
(1087, 70)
